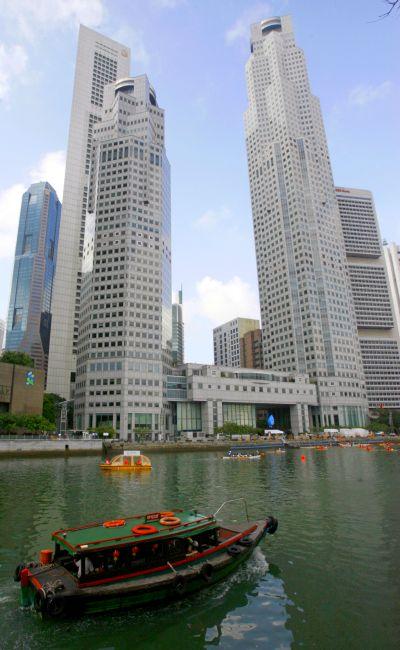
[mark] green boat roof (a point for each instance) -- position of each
(98, 536)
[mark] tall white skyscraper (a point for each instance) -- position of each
(100, 60)
(307, 313)
(125, 330)
(371, 295)
(392, 260)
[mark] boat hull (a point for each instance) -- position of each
(142, 589)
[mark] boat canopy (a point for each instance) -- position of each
(120, 532)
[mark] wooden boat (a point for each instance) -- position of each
(321, 448)
(129, 461)
(137, 560)
(242, 457)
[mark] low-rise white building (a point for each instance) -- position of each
(205, 397)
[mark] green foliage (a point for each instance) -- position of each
(10, 423)
(231, 428)
(378, 425)
(18, 358)
(51, 406)
(104, 428)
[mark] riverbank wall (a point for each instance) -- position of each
(65, 447)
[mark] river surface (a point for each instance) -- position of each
(329, 577)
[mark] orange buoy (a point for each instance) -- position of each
(168, 513)
(303, 458)
(144, 529)
(170, 521)
(45, 556)
(114, 523)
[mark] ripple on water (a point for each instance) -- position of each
(334, 562)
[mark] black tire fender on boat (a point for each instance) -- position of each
(39, 601)
(180, 585)
(245, 541)
(234, 550)
(17, 572)
(207, 571)
(271, 525)
(55, 605)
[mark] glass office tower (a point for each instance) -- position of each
(29, 313)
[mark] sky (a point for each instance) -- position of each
(194, 53)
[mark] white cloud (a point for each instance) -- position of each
(13, 63)
(33, 16)
(212, 218)
(240, 30)
(51, 168)
(168, 4)
(366, 93)
(10, 204)
(218, 301)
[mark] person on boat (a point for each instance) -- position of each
(193, 546)
(89, 568)
(107, 461)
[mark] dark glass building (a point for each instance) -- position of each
(29, 313)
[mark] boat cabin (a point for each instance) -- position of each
(105, 550)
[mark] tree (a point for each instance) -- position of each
(392, 4)
(104, 428)
(17, 358)
(51, 406)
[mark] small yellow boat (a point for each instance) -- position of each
(129, 461)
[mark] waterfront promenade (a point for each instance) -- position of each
(24, 447)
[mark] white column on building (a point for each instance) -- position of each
(100, 60)
(307, 313)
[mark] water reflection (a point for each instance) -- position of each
(334, 562)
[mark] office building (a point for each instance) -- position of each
(21, 389)
(125, 330)
(204, 397)
(392, 261)
(99, 61)
(371, 295)
(178, 337)
(307, 313)
(251, 350)
(30, 311)
(2, 332)
(227, 340)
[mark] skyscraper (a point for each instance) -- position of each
(125, 324)
(2, 331)
(30, 310)
(373, 306)
(307, 313)
(392, 260)
(99, 61)
(178, 337)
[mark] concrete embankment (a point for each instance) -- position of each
(70, 447)
(26, 448)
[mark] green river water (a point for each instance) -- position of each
(329, 577)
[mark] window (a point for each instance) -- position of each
(27, 246)
(17, 318)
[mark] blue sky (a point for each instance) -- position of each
(194, 53)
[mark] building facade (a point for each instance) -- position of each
(30, 310)
(2, 332)
(251, 349)
(392, 261)
(307, 313)
(226, 340)
(178, 335)
(206, 397)
(377, 332)
(125, 330)
(21, 389)
(100, 60)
